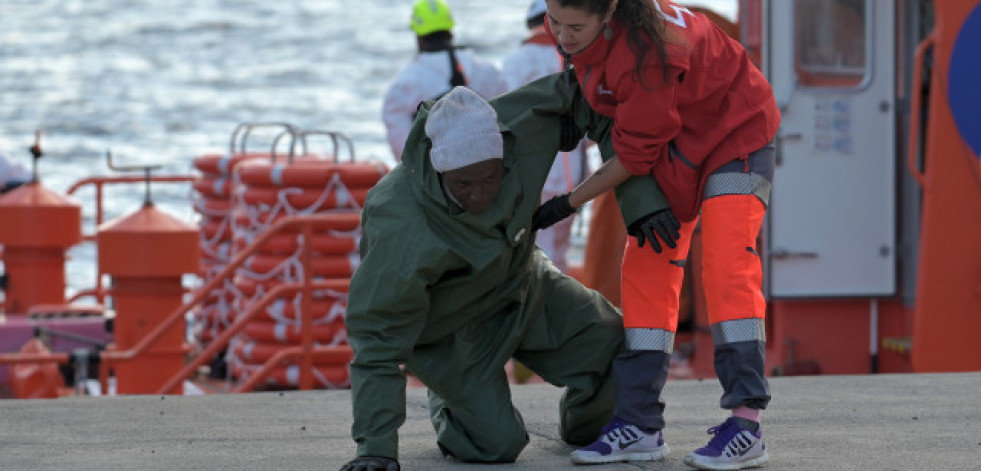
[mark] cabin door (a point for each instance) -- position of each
(832, 227)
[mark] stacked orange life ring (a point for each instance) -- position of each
(265, 191)
(279, 328)
(212, 200)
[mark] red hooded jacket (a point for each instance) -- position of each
(714, 107)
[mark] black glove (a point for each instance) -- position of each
(371, 463)
(663, 223)
(551, 212)
(569, 134)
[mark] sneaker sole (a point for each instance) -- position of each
(655, 455)
(692, 461)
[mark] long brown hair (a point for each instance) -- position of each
(645, 27)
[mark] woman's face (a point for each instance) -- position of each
(575, 28)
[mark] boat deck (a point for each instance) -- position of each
(883, 422)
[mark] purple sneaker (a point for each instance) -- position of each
(735, 446)
(620, 441)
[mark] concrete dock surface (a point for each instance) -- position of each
(840, 423)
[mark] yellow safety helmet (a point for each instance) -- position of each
(430, 16)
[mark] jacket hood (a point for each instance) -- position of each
(468, 232)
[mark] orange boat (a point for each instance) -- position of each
(870, 248)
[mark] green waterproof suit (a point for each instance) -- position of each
(453, 295)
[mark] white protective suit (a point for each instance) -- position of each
(534, 59)
(11, 172)
(427, 77)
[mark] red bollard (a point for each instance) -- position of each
(146, 254)
(37, 226)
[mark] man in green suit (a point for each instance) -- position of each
(452, 285)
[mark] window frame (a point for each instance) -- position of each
(836, 77)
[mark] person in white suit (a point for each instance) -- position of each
(438, 67)
(12, 175)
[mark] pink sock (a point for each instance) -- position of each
(747, 413)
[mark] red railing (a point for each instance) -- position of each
(99, 182)
(306, 351)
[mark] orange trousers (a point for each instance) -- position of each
(732, 272)
(604, 248)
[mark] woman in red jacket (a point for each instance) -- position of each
(690, 109)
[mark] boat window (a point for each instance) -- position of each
(830, 42)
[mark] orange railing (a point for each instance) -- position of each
(914, 149)
(100, 182)
(306, 351)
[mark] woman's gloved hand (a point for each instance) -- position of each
(371, 463)
(551, 212)
(659, 223)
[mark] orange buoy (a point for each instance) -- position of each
(342, 243)
(264, 193)
(305, 198)
(240, 195)
(251, 287)
(36, 380)
(212, 186)
(256, 353)
(212, 201)
(222, 164)
(146, 254)
(37, 227)
(335, 374)
(325, 266)
(310, 173)
(327, 377)
(324, 333)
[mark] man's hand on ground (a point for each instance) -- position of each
(371, 463)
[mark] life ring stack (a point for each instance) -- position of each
(212, 201)
(265, 191)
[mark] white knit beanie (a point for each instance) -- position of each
(464, 131)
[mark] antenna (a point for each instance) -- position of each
(146, 169)
(36, 153)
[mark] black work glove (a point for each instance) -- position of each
(569, 134)
(551, 212)
(662, 223)
(371, 463)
